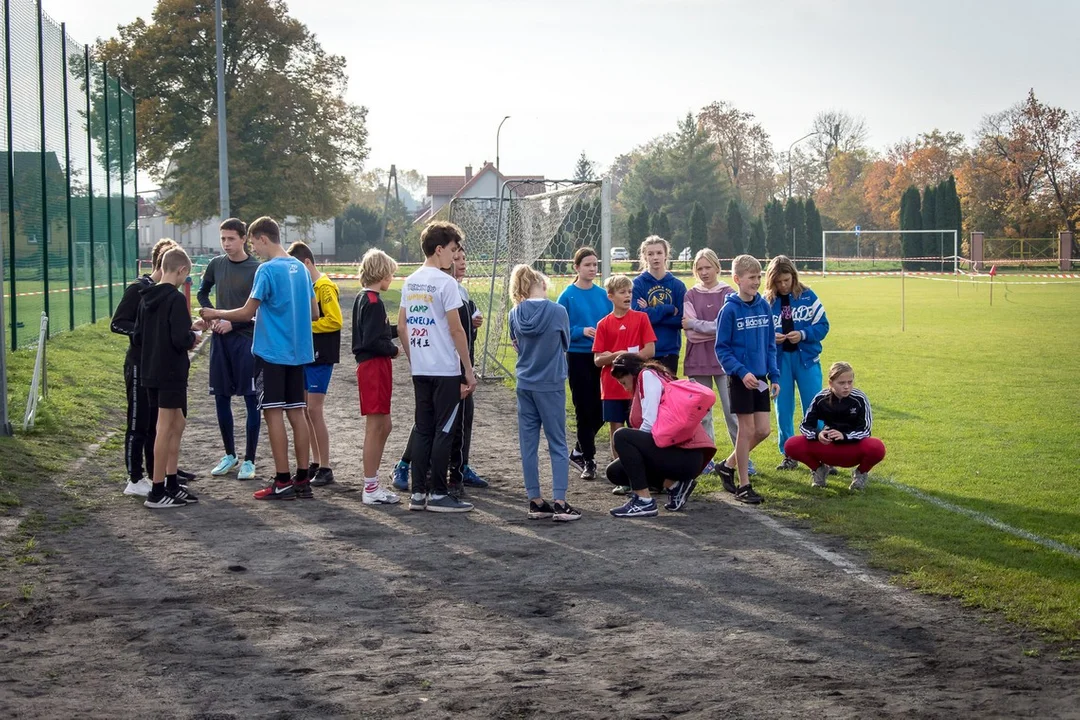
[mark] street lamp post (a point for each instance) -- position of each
(497, 142)
(223, 143)
(790, 147)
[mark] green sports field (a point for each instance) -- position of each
(978, 405)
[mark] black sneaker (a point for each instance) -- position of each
(746, 494)
(457, 489)
(727, 477)
(833, 471)
(182, 493)
(323, 476)
(565, 513)
(163, 501)
(589, 473)
(679, 494)
(184, 476)
(543, 511)
(303, 490)
(577, 459)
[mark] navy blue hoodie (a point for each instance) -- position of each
(540, 330)
(746, 339)
(664, 298)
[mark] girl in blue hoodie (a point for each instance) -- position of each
(800, 326)
(540, 331)
(660, 295)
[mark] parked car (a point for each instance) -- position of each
(619, 253)
(685, 255)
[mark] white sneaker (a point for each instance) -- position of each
(381, 496)
(227, 463)
(141, 488)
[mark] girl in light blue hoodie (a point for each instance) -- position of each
(540, 331)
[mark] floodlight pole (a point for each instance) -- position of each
(223, 142)
(789, 149)
(497, 132)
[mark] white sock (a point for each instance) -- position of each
(371, 484)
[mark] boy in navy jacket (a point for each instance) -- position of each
(746, 348)
(659, 294)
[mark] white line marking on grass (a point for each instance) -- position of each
(984, 519)
(829, 556)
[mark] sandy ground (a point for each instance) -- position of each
(328, 608)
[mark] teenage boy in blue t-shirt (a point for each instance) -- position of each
(283, 297)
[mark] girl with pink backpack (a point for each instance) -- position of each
(664, 447)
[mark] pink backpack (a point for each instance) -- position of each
(683, 405)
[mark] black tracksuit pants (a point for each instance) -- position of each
(584, 379)
(141, 426)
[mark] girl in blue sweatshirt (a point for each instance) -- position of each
(660, 295)
(540, 331)
(800, 325)
(586, 304)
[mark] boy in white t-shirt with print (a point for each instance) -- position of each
(434, 340)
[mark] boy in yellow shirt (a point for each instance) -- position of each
(326, 337)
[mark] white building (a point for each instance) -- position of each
(487, 183)
(202, 238)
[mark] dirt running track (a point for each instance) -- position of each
(329, 608)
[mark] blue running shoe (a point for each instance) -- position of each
(401, 476)
(636, 507)
(751, 470)
(469, 478)
(709, 469)
(227, 463)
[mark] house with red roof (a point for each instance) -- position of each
(487, 183)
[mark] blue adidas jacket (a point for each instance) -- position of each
(665, 303)
(745, 338)
(808, 314)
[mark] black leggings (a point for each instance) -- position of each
(584, 379)
(642, 465)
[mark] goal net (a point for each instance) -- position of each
(535, 222)
(889, 251)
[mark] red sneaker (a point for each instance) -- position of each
(276, 491)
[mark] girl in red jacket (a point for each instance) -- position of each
(845, 440)
(641, 464)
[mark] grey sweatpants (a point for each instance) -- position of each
(720, 381)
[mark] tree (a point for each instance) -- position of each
(911, 219)
(293, 139)
(698, 230)
(756, 246)
(640, 229)
(836, 132)
(736, 227)
(1054, 134)
(813, 228)
(743, 151)
(660, 225)
(929, 243)
(775, 243)
(794, 227)
(585, 169)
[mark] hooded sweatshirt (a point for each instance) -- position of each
(125, 315)
(664, 298)
(163, 328)
(745, 339)
(808, 317)
(540, 331)
(702, 309)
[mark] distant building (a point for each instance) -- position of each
(487, 183)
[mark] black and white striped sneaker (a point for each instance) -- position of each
(165, 500)
(182, 493)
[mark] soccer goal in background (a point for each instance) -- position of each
(890, 251)
(533, 222)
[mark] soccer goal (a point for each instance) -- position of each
(534, 222)
(890, 251)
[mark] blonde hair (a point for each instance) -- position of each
(523, 278)
(653, 240)
(175, 259)
(161, 247)
(375, 267)
(616, 283)
(782, 265)
(839, 368)
(708, 256)
(743, 264)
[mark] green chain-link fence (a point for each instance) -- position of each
(68, 209)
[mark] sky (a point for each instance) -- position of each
(604, 76)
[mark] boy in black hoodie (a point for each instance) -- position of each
(166, 333)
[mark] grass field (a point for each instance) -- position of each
(977, 406)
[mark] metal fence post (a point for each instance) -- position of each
(135, 180)
(108, 186)
(67, 173)
(45, 230)
(90, 186)
(11, 181)
(123, 224)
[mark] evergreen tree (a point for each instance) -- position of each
(774, 228)
(942, 211)
(659, 225)
(640, 230)
(698, 228)
(928, 242)
(736, 228)
(793, 220)
(910, 219)
(757, 239)
(719, 240)
(954, 215)
(585, 169)
(813, 228)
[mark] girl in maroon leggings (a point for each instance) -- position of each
(836, 431)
